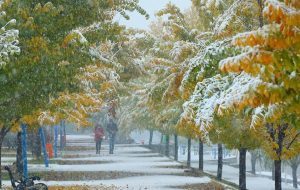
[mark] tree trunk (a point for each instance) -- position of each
(242, 169)
(176, 147)
(277, 164)
(1, 141)
(4, 130)
(253, 162)
(19, 154)
(150, 138)
(167, 151)
(220, 162)
(39, 146)
(189, 153)
(61, 146)
(36, 146)
(295, 180)
(65, 135)
(200, 155)
(273, 172)
(31, 143)
(161, 146)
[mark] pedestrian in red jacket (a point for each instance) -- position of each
(99, 134)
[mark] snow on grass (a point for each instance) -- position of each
(283, 175)
(136, 159)
(136, 165)
(162, 182)
(254, 182)
(125, 159)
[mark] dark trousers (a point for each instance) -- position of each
(98, 146)
(111, 143)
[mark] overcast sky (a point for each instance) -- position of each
(151, 6)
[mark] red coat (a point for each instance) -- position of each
(99, 133)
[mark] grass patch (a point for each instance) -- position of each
(203, 186)
(78, 175)
(70, 162)
(75, 148)
(83, 175)
(77, 187)
(173, 167)
(145, 156)
(78, 155)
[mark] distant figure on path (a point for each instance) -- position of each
(99, 133)
(112, 129)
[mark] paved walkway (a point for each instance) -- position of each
(131, 167)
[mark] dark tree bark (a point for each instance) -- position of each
(176, 147)
(242, 169)
(4, 130)
(220, 162)
(189, 153)
(150, 138)
(19, 154)
(295, 180)
(277, 164)
(277, 136)
(1, 141)
(200, 155)
(167, 150)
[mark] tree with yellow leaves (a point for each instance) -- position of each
(170, 43)
(270, 58)
(203, 85)
(9, 48)
(176, 44)
(56, 45)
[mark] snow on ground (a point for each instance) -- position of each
(157, 172)
(127, 164)
(231, 173)
(124, 160)
(9, 160)
(163, 182)
(79, 137)
(253, 182)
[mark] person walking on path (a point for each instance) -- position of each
(99, 133)
(112, 129)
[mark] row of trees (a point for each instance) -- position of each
(224, 72)
(60, 60)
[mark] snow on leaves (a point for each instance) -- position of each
(8, 41)
(237, 18)
(270, 55)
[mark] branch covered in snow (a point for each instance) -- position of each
(8, 42)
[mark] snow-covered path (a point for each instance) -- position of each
(144, 169)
